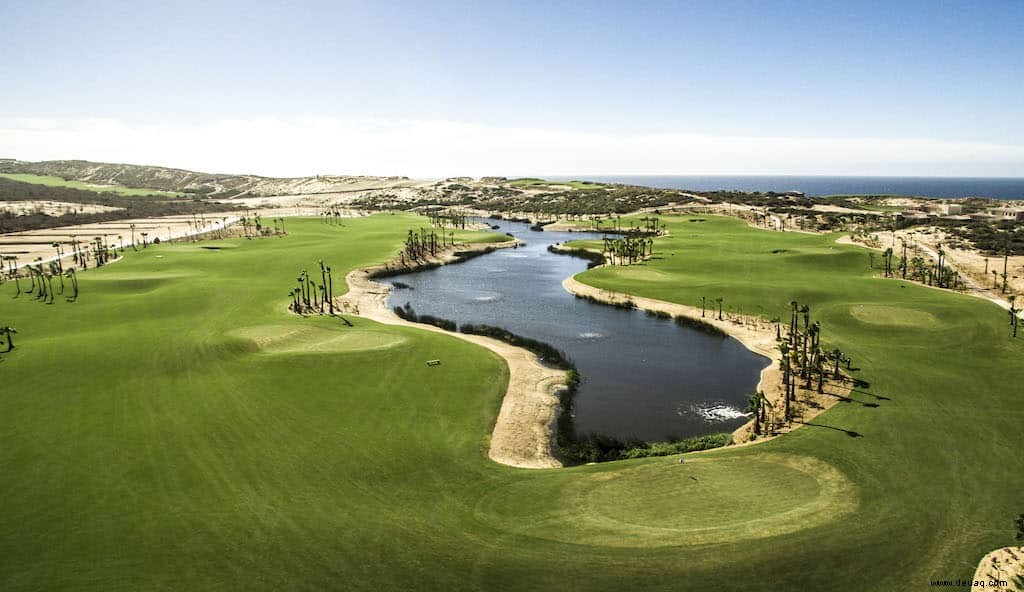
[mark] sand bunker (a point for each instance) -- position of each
(298, 338)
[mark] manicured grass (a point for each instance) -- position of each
(938, 470)
(177, 429)
(545, 183)
(59, 182)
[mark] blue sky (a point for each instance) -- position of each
(945, 79)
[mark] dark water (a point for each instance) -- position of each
(642, 377)
(947, 187)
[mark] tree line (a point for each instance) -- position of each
(805, 363)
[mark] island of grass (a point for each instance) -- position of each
(177, 427)
(53, 181)
(527, 182)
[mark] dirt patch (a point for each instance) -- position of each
(1006, 564)
(53, 208)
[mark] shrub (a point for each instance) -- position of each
(438, 322)
(678, 446)
(406, 312)
(544, 351)
(699, 325)
(593, 259)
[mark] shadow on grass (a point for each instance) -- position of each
(849, 433)
(879, 397)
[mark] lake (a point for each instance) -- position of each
(643, 377)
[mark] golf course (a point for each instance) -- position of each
(178, 428)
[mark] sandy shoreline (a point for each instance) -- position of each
(522, 435)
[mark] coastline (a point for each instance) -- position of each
(753, 333)
(522, 434)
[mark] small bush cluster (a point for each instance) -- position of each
(699, 325)
(402, 270)
(545, 351)
(406, 312)
(603, 448)
(593, 259)
(624, 304)
(679, 446)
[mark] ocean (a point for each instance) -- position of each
(1011, 188)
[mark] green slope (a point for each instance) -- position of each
(60, 182)
(177, 429)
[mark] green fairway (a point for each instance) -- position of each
(178, 429)
(59, 182)
(939, 466)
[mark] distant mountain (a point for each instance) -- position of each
(219, 186)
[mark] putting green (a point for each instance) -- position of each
(893, 316)
(709, 499)
(645, 274)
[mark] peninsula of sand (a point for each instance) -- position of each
(522, 432)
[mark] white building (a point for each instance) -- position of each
(1008, 213)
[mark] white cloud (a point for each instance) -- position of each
(325, 145)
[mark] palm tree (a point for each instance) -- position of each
(1006, 258)
(756, 405)
(56, 246)
(31, 277)
(12, 262)
(837, 356)
(819, 367)
(903, 262)
(786, 371)
(793, 307)
(132, 226)
(70, 273)
(56, 270)
(8, 331)
(1014, 320)
(810, 362)
(330, 289)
